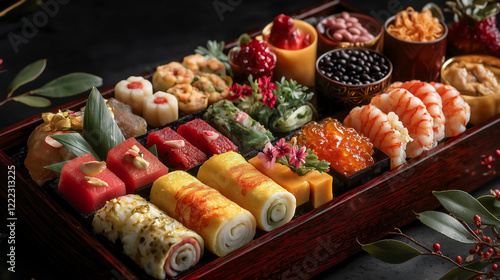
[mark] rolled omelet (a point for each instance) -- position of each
(238, 180)
(223, 224)
(156, 242)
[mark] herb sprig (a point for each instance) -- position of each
(216, 50)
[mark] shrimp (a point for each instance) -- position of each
(216, 86)
(431, 99)
(198, 64)
(385, 131)
(414, 116)
(169, 75)
(190, 98)
(455, 109)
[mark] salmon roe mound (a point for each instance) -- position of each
(345, 149)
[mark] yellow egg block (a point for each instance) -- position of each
(314, 184)
(321, 187)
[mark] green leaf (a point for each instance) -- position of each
(447, 225)
(460, 274)
(75, 143)
(33, 101)
(28, 74)
(57, 167)
(69, 85)
(99, 127)
(391, 251)
(216, 50)
(490, 203)
(435, 10)
(153, 150)
(464, 206)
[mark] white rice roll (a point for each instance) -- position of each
(160, 108)
(223, 224)
(237, 179)
(156, 242)
(132, 92)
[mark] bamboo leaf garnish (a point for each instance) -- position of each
(68, 85)
(99, 127)
(153, 150)
(26, 75)
(57, 167)
(76, 144)
(33, 101)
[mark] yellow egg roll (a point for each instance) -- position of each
(238, 180)
(223, 224)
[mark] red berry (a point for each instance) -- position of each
(285, 35)
(256, 58)
(458, 259)
(486, 239)
(494, 266)
(436, 247)
(490, 250)
(473, 251)
(477, 218)
(486, 254)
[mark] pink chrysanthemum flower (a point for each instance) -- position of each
(298, 156)
(268, 156)
(282, 148)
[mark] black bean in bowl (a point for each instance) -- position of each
(351, 76)
(354, 66)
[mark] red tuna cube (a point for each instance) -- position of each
(206, 138)
(174, 150)
(134, 164)
(88, 192)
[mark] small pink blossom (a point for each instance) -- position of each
(266, 90)
(298, 156)
(269, 100)
(268, 156)
(237, 92)
(265, 84)
(282, 148)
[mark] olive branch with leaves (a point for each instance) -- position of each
(64, 86)
(469, 221)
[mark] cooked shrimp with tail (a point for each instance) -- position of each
(413, 114)
(455, 109)
(385, 131)
(431, 99)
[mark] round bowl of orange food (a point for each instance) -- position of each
(294, 58)
(416, 44)
(348, 30)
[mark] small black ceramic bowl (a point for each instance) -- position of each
(350, 77)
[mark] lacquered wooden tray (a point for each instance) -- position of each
(306, 246)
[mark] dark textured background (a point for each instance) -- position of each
(116, 39)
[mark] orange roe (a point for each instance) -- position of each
(345, 149)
